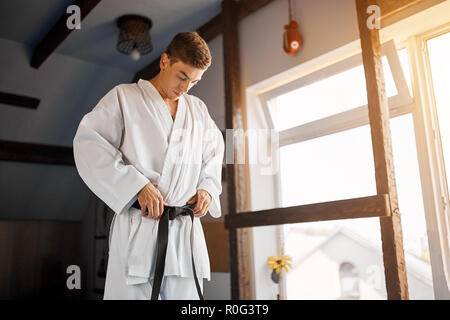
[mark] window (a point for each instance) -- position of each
(325, 155)
(340, 166)
(333, 167)
(439, 53)
(430, 52)
(308, 103)
(303, 101)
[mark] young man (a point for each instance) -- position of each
(151, 151)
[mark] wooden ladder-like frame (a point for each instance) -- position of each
(383, 205)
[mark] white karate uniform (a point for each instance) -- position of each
(129, 139)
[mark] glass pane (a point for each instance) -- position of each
(404, 62)
(335, 94)
(439, 52)
(337, 167)
(334, 167)
(410, 201)
(319, 249)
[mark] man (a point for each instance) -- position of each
(152, 142)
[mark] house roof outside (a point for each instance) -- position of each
(416, 266)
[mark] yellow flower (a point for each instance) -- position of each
(277, 263)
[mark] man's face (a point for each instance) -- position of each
(178, 78)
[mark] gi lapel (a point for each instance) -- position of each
(183, 138)
(177, 139)
(161, 108)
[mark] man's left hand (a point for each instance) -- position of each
(203, 199)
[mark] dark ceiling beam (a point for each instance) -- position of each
(42, 153)
(208, 31)
(37, 153)
(58, 33)
(18, 100)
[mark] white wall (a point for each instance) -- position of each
(323, 24)
(218, 288)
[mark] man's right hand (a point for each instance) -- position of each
(150, 198)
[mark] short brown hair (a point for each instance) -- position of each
(191, 49)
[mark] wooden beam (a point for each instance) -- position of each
(211, 29)
(41, 153)
(214, 27)
(37, 153)
(366, 207)
(391, 229)
(396, 10)
(216, 236)
(149, 71)
(58, 33)
(208, 31)
(224, 173)
(391, 7)
(18, 100)
(240, 240)
(229, 9)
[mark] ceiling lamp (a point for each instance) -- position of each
(134, 36)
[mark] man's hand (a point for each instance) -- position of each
(150, 198)
(203, 199)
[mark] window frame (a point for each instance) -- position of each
(399, 104)
(431, 162)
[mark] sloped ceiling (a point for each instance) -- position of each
(28, 22)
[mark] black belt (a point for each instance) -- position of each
(170, 213)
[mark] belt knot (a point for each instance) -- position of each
(170, 213)
(185, 210)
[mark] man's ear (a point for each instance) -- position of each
(164, 61)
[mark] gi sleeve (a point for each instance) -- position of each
(98, 159)
(211, 170)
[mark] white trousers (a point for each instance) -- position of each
(172, 288)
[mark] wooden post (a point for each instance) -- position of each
(391, 229)
(241, 243)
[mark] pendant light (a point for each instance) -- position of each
(292, 40)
